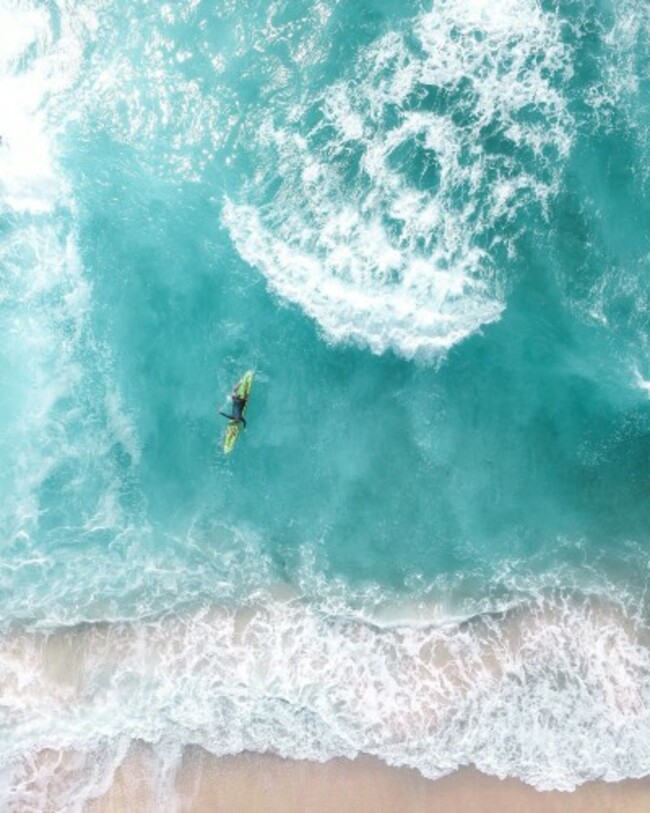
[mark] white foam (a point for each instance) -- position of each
(27, 180)
(58, 370)
(617, 298)
(372, 254)
(642, 383)
(617, 86)
(555, 691)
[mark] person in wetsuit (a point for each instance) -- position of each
(238, 404)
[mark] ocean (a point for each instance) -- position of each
(426, 226)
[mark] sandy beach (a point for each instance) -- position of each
(253, 782)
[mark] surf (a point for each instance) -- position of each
(397, 180)
(291, 678)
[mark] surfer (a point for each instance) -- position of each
(238, 405)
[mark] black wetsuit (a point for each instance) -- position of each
(238, 405)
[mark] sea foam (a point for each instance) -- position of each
(396, 188)
(554, 691)
(63, 413)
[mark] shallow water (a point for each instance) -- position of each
(426, 228)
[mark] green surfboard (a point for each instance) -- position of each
(242, 389)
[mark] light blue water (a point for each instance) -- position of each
(426, 227)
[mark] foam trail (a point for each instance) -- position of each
(397, 186)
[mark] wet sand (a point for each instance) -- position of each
(252, 783)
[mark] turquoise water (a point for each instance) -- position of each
(426, 227)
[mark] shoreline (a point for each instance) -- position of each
(280, 678)
(249, 782)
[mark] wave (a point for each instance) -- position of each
(69, 438)
(385, 204)
(554, 691)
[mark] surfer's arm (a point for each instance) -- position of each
(243, 420)
(230, 417)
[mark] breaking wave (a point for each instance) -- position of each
(386, 204)
(555, 690)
